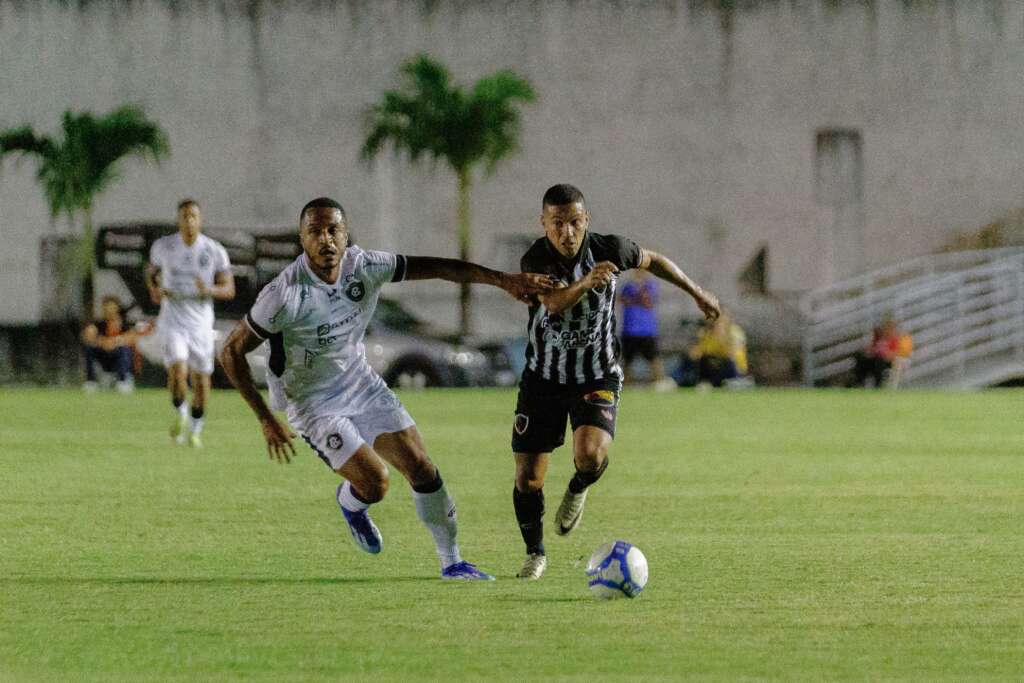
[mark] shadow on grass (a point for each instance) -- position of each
(208, 581)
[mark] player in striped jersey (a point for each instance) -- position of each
(572, 360)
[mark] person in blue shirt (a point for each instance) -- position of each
(639, 299)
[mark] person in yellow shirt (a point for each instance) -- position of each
(719, 355)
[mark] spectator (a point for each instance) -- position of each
(719, 356)
(639, 299)
(876, 361)
(109, 342)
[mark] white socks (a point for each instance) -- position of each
(196, 424)
(348, 500)
(437, 511)
(183, 411)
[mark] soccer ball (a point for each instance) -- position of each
(617, 570)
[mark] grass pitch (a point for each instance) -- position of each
(790, 534)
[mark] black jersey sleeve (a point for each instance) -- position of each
(623, 252)
(533, 260)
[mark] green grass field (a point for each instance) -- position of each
(790, 534)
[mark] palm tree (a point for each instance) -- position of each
(430, 116)
(74, 171)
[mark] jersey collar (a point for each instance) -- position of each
(346, 263)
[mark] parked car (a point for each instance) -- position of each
(403, 357)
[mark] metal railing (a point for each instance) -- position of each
(964, 311)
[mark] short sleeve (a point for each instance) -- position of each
(221, 261)
(264, 318)
(624, 252)
(380, 267)
(156, 254)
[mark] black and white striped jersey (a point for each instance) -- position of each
(579, 346)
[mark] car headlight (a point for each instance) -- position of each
(463, 357)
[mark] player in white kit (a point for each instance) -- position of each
(186, 272)
(314, 315)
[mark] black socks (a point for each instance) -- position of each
(530, 513)
(581, 480)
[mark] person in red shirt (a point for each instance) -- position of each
(876, 359)
(108, 342)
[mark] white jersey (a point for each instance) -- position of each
(316, 331)
(180, 264)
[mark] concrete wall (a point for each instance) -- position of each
(691, 126)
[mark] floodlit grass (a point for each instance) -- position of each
(790, 535)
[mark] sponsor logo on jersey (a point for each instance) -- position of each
(324, 330)
(334, 441)
(333, 295)
(522, 422)
(603, 397)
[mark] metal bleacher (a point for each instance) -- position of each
(964, 310)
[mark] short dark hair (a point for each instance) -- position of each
(187, 201)
(322, 202)
(562, 194)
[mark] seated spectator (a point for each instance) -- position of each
(719, 356)
(109, 343)
(885, 356)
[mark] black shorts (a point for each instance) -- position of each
(646, 347)
(543, 406)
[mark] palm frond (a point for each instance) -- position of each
(431, 116)
(23, 140)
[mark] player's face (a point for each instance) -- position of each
(565, 226)
(324, 235)
(110, 310)
(190, 221)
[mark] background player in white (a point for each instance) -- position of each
(186, 272)
(314, 314)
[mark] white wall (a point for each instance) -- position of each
(688, 127)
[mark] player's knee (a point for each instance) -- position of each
(529, 482)
(591, 456)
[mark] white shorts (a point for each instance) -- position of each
(192, 348)
(336, 437)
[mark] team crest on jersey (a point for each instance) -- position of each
(334, 441)
(603, 397)
(355, 290)
(522, 422)
(204, 259)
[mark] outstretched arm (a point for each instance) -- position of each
(664, 268)
(232, 358)
(520, 285)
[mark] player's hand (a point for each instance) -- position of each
(708, 304)
(279, 439)
(156, 294)
(601, 275)
(523, 286)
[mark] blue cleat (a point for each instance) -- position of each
(364, 532)
(464, 571)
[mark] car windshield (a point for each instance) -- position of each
(392, 316)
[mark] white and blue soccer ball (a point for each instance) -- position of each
(617, 570)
